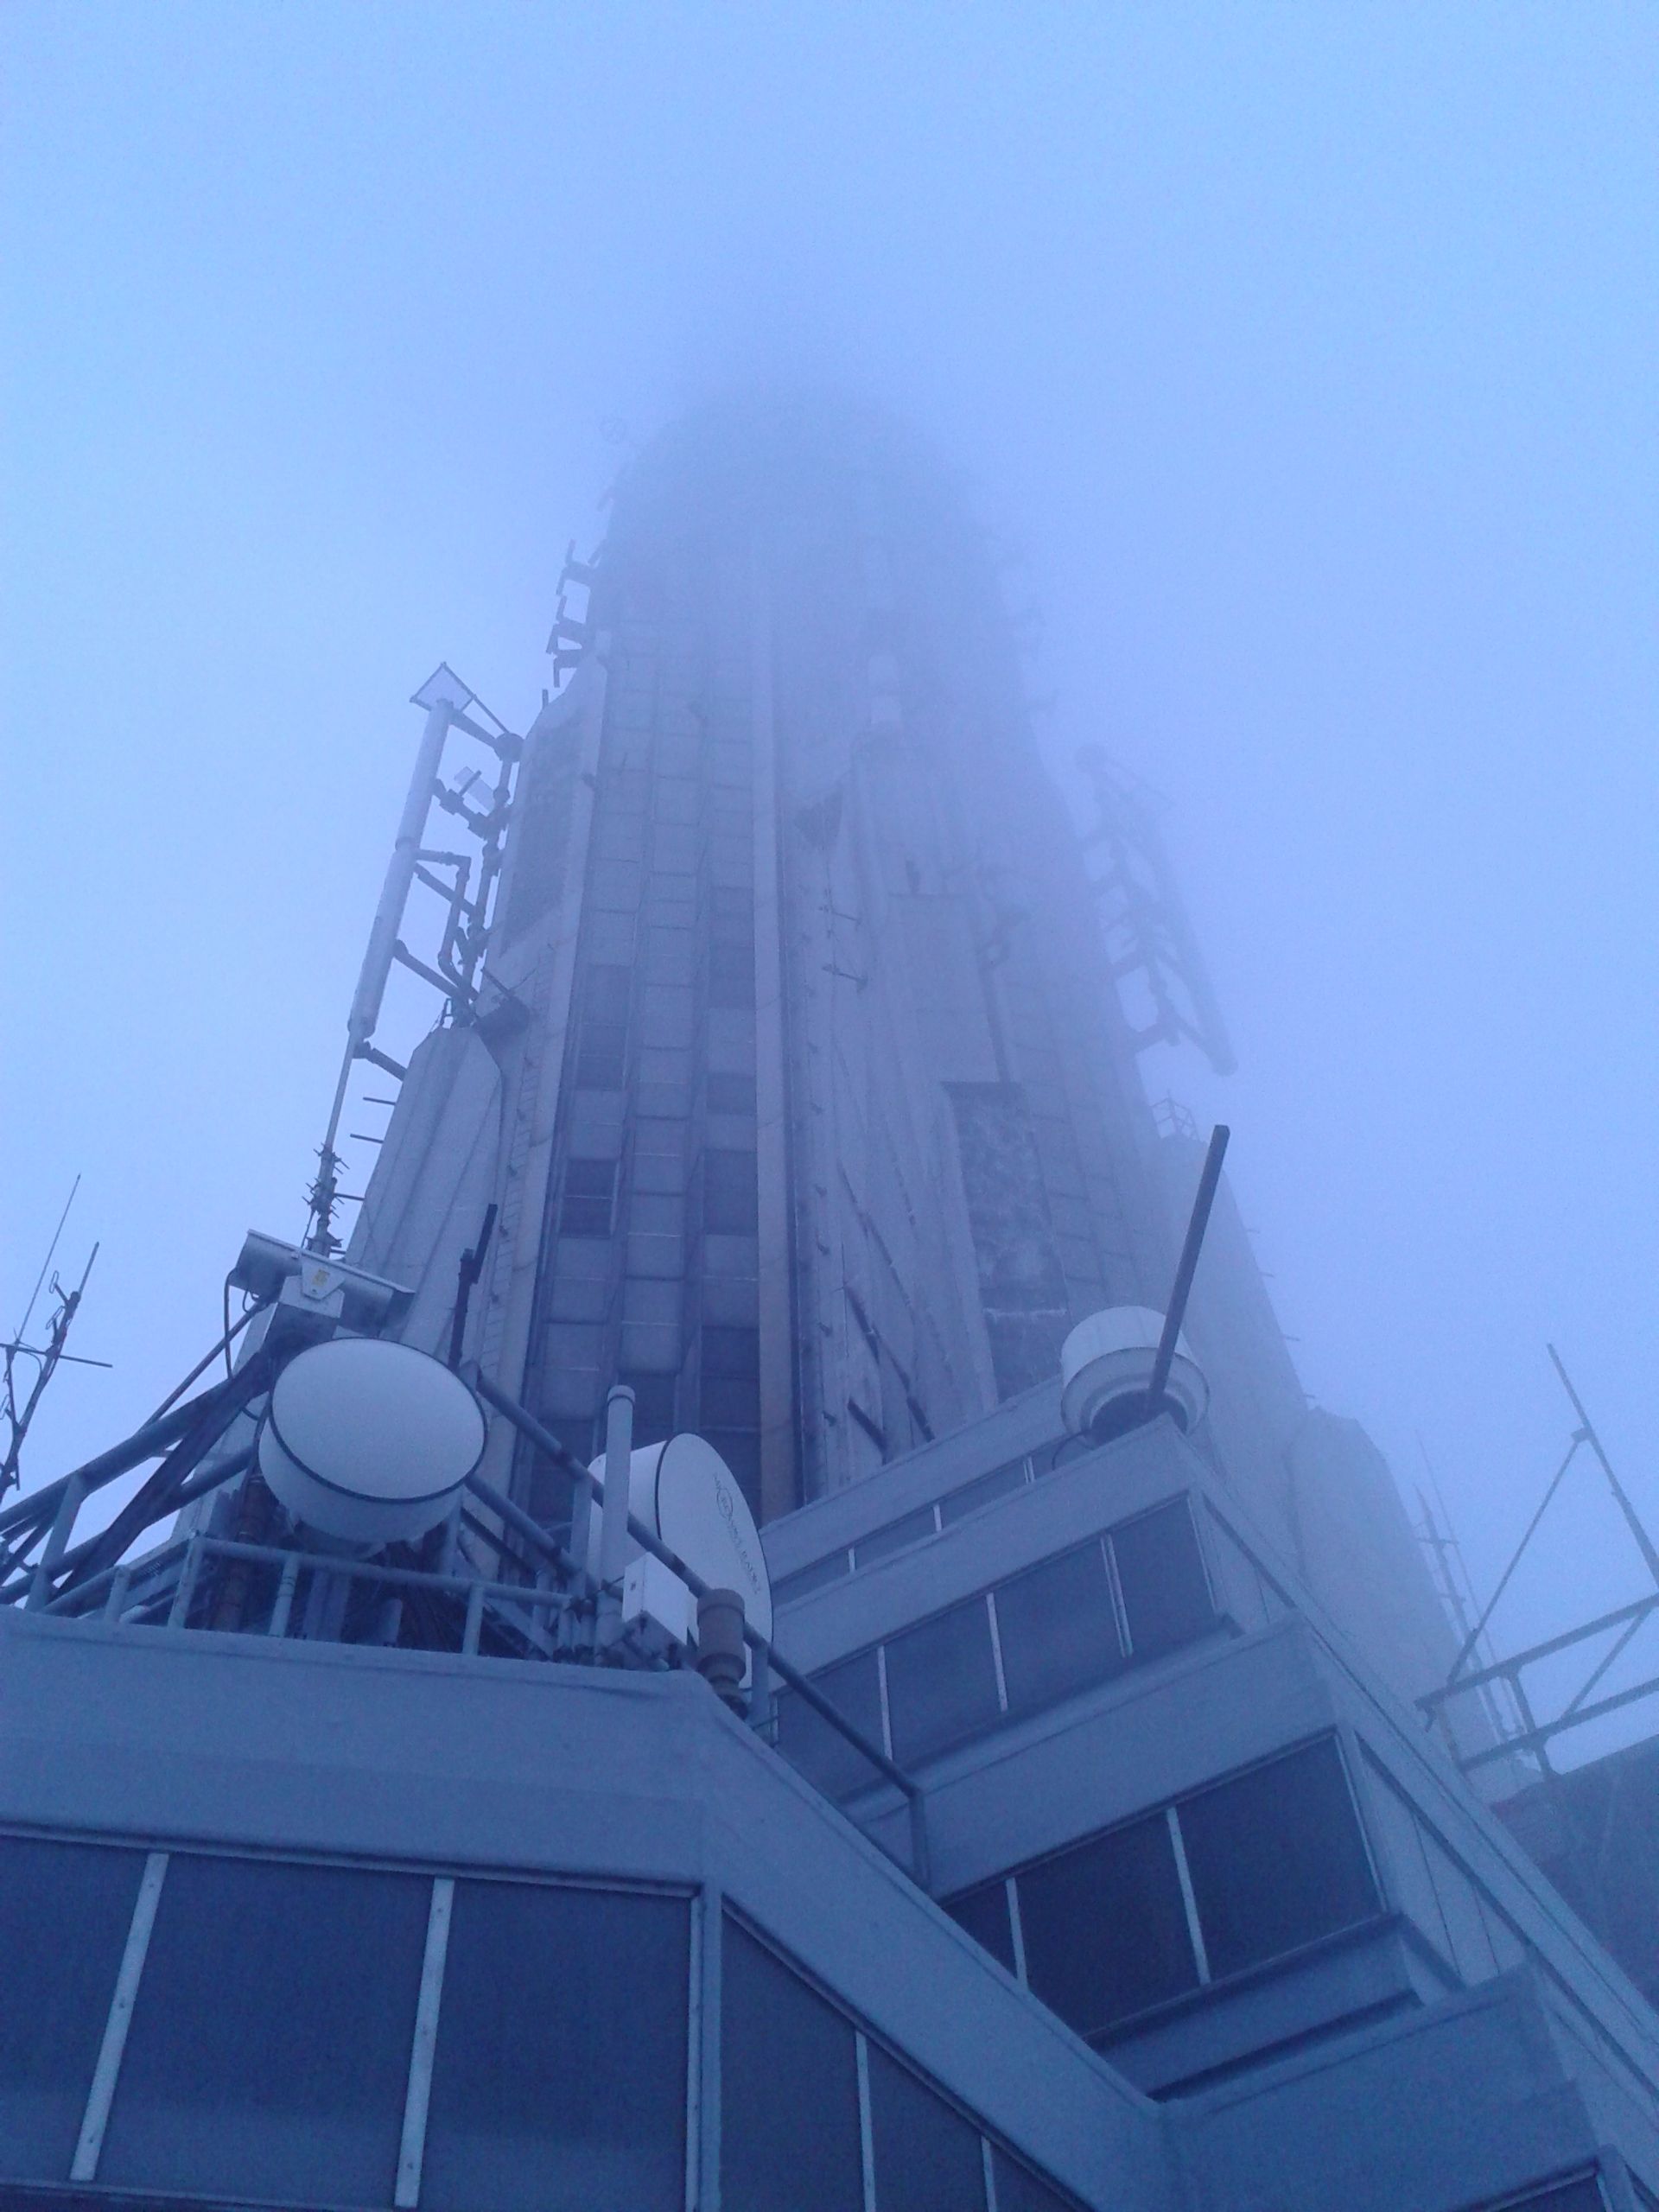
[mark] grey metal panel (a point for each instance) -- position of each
(1459, 2106)
(651, 1253)
(1356, 1979)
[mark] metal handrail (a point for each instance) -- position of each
(544, 1440)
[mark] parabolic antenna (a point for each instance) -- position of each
(684, 1492)
(369, 1441)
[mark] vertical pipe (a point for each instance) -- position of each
(101, 2096)
(1184, 1268)
(582, 1514)
(779, 1486)
(613, 1529)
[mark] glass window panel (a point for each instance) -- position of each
(1105, 1928)
(789, 2136)
(1161, 1573)
(64, 1911)
(815, 1577)
(731, 975)
(741, 1449)
(601, 1061)
(653, 1405)
(269, 2050)
(730, 1094)
(729, 1203)
(558, 2084)
(1057, 1629)
(910, 1529)
(589, 1187)
(731, 1351)
(1018, 2189)
(1276, 1858)
(824, 1756)
(927, 2156)
(984, 1913)
(1001, 1481)
(941, 1682)
(730, 1401)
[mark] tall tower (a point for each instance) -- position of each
(788, 1067)
(801, 1071)
(849, 1130)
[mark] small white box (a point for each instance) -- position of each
(657, 1608)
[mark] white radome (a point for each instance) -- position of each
(683, 1491)
(369, 1441)
(1108, 1357)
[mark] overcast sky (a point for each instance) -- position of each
(1307, 355)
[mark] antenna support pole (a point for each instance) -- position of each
(613, 1529)
(1188, 1262)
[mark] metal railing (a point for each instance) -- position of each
(550, 1616)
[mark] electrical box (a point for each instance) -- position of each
(658, 1612)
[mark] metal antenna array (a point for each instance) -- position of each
(1143, 919)
(1625, 1623)
(483, 810)
(47, 1357)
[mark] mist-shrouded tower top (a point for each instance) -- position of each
(850, 1131)
(801, 1081)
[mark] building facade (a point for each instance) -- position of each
(801, 1077)
(1080, 1845)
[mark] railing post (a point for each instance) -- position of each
(284, 1604)
(179, 1615)
(474, 1617)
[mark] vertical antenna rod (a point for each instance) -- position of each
(1189, 1260)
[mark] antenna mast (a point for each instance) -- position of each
(47, 1357)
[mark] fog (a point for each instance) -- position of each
(1303, 358)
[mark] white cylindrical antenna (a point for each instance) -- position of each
(613, 1529)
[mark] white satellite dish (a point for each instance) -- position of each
(369, 1441)
(684, 1492)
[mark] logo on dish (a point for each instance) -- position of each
(729, 1514)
